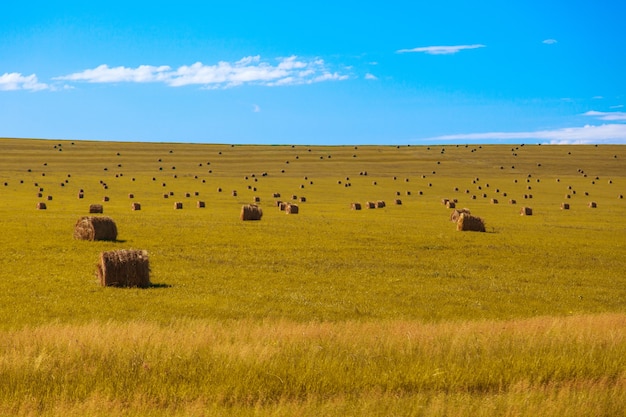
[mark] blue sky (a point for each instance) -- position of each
(324, 72)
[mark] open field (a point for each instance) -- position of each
(332, 311)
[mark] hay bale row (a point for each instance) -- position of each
(124, 268)
(95, 228)
(467, 222)
(251, 212)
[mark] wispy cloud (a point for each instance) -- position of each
(256, 108)
(17, 81)
(609, 116)
(607, 133)
(369, 76)
(550, 41)
(248, 70)
(440, 50)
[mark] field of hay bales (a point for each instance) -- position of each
(332, 311)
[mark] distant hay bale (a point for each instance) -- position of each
(494, 201)
(200, 204)
(282, 206)
(135, 206)
(370, 205)
(49, 198)
(564, 206)
(291, 209)
(592, 204)
(278, 203)
(81, 195)
(355, 206)
(444, 201)
(454, 216)
(450, 204)
(234, 193)
(95, 228)
(380, 204)
(131, 195)
(124, 268)
(251, 212)
(178, 205)
(105, 198)
(398, 202)
(467, 222)
(257, 199)
(276, 195)
(96, 208)
(512, 201)
(302, 199)
(526, 211)
(41, 206)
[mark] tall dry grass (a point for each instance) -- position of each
(547, 365)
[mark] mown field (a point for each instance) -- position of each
(332, 311)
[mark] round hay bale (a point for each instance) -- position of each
(454, 216)
(178, 205)
(124, 268)
(41, 206)
(355, 206)
(105, 198)
(380, 204)
(564, 206)
(251, 212)
(467, 222)
(398, 202)
(494, 201)
(96, 208)
(303, 199)
(370, 205)
(291, 209)
(593, 204)
(95, 228)
(135, 206)
(512, 201)
(526, 211)
(200, 204)
(450, 204)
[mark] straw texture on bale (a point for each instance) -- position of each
(95, 228)
(291, 209)
(124, 268)
(96, 208)
(467, 222)
(454, 216)
(251, 212)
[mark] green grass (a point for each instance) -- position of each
(355, 283)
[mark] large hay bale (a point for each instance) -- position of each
(95, 228)
(124, 268)
(96, 208)
(526, 211)
(291, 209)
(251, 212)
(355, 206)
(467, 222)
(454, 216)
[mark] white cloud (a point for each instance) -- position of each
(550, 41)
(369, 76)
(16, 81)
(618, 106)
(607, 133)
(248, 70)
(440, 50)
(609, 116)
(256, 108)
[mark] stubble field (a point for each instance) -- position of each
(332, 311)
